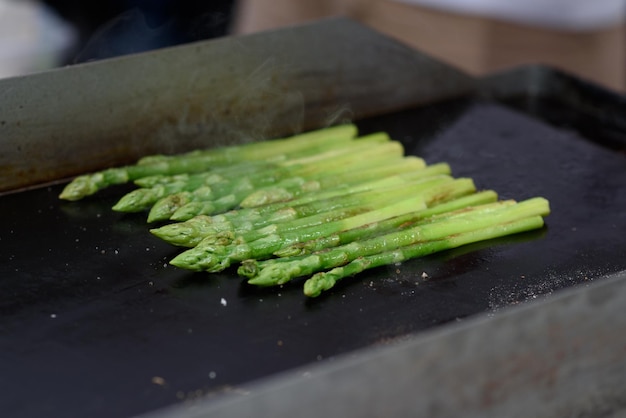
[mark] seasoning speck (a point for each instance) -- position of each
(424, 275)
(53, 316)
(223, 302)
(158, 380)
(212, 375)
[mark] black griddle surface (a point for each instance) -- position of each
(95, 323)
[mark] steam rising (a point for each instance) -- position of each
(342, 115)
(128, 33)
(234, 93)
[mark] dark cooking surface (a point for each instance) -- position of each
(94, 323)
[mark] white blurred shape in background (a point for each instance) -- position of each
(577, 15)
(32, 37)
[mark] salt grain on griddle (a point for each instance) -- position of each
(158, 380)
(223, 302)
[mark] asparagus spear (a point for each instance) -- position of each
(318, 139)
(190, 233)
(89, 184)
(275, 273)
(213, 258)
(348, 188)
(374, 169)
(189, 209)
(143, 198)
(214, 175)
(369, 202)
(167, 207)
(322, 281)
(448, 209)
(391, 171)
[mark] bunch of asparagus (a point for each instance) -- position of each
(326, 204)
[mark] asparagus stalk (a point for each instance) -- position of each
(190, 233)
(369, 202)
(319, 140)
(322, 281)
(271, 199)
(214, 258)
(168, 207)
(89, 184)
(487, 199)
(372, 171)
(384, 153)
(143, 198)
(212, 207)
(213, 175)
(275, 273)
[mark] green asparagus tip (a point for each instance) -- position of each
(177, 234)
(269, 276)
(276, 273)
(217, 238)
(319, 282)
(135, 201)
(187, 211)
(248, 268)
(81, 186)
(266, 196)
(293, 250)
(89, 184)
(196, 259)
(166, 207)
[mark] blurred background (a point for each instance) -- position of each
(582, 37)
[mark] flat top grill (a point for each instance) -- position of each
(94, 322)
